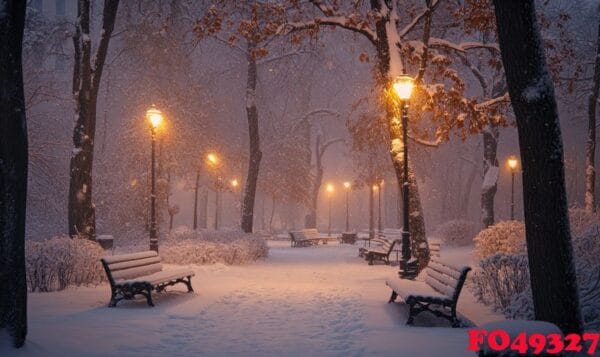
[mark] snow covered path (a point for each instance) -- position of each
(317, 301)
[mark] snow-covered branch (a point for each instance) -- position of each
(491, 102)
(463, 46)
(432, 144)
(338, 21)
(425, 13)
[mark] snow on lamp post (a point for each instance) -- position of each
(155, 118)
(213, 162)
(403, 86)
(347, 186)
(513, 163)
(330, 194)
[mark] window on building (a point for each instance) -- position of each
(60, 8)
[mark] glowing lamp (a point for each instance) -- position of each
(403, 86)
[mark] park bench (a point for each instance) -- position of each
(299, 239)
(441, 286)
(140, 274)
(380, 249)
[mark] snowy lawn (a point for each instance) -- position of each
(317, 301)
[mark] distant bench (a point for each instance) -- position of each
(140, 274)
(381, 250)
(307, 237)
(441, 287)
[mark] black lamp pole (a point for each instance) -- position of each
(153, 233)
(512, 195)
(408, 268)
(379, 225)
(347, 213)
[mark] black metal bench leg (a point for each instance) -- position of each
(188, 282)
(113, 299)
(454, 320)
(148, 295)
(411, 315)
(393, 297)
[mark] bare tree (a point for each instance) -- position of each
(590, 150)
(87, 73)
(549, 249)
(13, 173)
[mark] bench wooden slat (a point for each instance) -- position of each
(137, 271)
(438, 286)
(134, 263)
(445, 283)
(127, 257)
(445, 279)
(444, 269)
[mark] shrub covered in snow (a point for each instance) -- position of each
(582, 220)
(503, 280)
(503, 237)
(53, 264)
(186, 246)
(457, 233)
(500, 277)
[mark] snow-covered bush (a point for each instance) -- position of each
(457, 233)
(586, 249)
(503, 237)
(186, 246)
(53, 264)
(582, 220)
(500, 277)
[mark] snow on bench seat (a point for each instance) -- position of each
(139, 274)
(440, 284)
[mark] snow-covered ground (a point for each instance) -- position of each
(317, 301)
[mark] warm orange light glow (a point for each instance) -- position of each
(347, 184)
(374, 187)
(403, 86)
(512, 163)
(330, 188)
(212, 159)
(154, 116)
(234, 183)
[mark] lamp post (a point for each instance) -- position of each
(330, 194)
(347, 187)
(403, 86)
(213, 162)
(196, 198)
(379, 221)
(512, 163)
(155, 118)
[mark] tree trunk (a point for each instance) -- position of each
(371, 211)
(311, 217)
(417, 221)
(490, 174)
(255, 153)
(463, 207)
(203, 221)
(13, 173)
(86, 82)
(196, 199)
(590, 150)
(552, 270)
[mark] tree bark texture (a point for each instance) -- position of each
(590, 149)
(418, 239)
(553, 279)
(255, 153)
(490, 164)
(13, 173)
(86, 83)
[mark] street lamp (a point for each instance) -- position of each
(379, 222)
(347, 186)
(213, 162)
(512, 162)
(403, 86)
(155, 118)
(330, 193)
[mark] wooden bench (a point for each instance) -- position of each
(440, 286)
(380, 249)
(299, 239)
(140, 274)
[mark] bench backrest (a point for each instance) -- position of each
(129, 266)
(311, 233)
(388, 245)
(446, 279)
(297, 236)
(434, 247)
